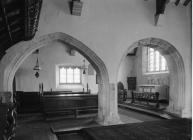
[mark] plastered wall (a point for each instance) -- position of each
(134, 66)
(143, 77)
(127, 69)
(50, 56)
(109, 27)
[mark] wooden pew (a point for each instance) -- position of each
(28, 102)
(69, 104)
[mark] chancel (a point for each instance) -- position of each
(93, 70)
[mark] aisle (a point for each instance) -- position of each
(34, 127)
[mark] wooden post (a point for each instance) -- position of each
(133, 98)
(157, 99)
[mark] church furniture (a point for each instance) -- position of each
(7, 121)
(69, 105)
(147, 93)
(162, 89)
(152, 97)
(131, 83)
(151, 93)
(63, 92)
(28, 102)
(76, 7)
(122, 92)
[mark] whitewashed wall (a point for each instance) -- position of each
(109, 27)
(50, 56)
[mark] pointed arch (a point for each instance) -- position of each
(176, 67)
(19, 52)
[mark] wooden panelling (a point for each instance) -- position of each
(28, 102)
(69, 103)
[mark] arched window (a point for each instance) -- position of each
(155, 61)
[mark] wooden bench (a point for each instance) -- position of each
(71, 105)
(74, 112)
(28, 102)
(149, 97)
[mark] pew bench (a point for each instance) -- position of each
(69, 105)
(74, 112)
(148, 97)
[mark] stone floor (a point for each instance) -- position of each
(150, 108)
(33, 126)
(173, 129)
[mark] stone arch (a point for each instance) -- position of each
(19, 52)
(176, 67)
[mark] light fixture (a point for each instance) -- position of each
(84, 67)
(37, 67)
(76, 7)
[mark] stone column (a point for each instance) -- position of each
(113, 116)
(108, 108)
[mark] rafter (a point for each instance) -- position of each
(186, 2)
(2, 7)
(160, 6)
(32, 13)
(160, 9)
(18, 21)
(177, 2)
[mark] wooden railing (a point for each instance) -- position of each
(149, 97)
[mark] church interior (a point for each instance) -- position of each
(58, 80)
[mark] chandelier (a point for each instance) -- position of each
(37, 67)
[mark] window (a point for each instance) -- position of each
(69, 75)
(155, 61)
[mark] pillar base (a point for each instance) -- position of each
(109, 120)
(186, 113)
(175, 112)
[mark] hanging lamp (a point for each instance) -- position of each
(84, 67)
(37, 67)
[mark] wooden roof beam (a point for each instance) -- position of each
(6, 24)
(32, 13)
(186, 2)
(177, 2)
(160, 9)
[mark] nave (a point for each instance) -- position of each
(33, 127)
(76, 58)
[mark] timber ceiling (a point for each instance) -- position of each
(18, 21)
